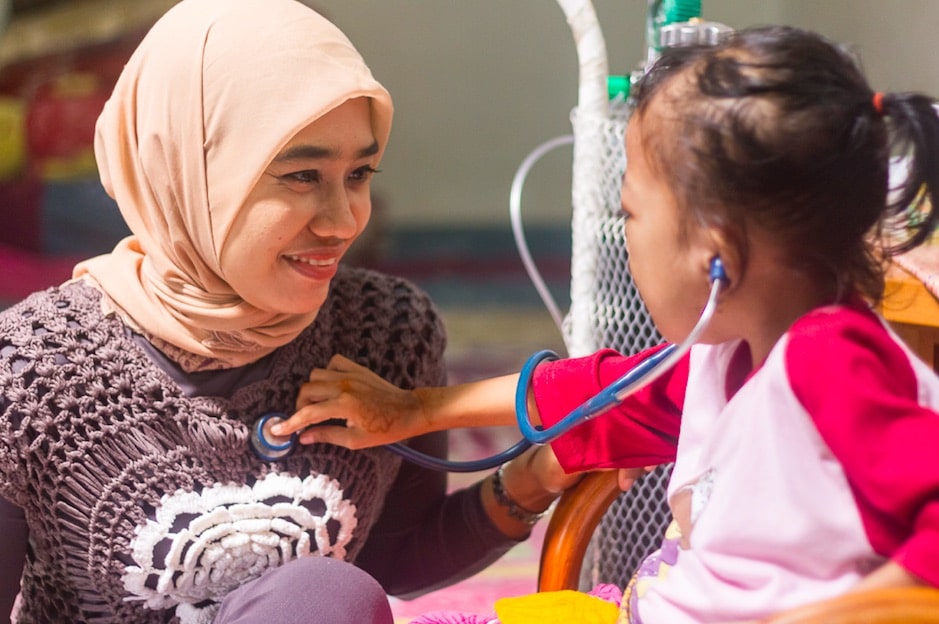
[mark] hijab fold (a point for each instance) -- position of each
(211, 95)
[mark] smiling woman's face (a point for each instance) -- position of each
(309, 205)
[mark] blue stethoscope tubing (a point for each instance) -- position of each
(638, 377)
(532, 435)
(448, 465)
(612, 395)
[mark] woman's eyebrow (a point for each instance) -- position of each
(298, 152)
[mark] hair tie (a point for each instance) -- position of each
(878, 102)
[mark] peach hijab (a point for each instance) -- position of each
(211, 95)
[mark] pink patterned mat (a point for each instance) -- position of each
(516, 574)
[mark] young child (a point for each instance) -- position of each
(805, 461)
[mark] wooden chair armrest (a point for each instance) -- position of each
(572, 522)
(909, 605)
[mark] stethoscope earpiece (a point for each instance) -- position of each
(717, 273)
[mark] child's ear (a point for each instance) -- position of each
(722, 244)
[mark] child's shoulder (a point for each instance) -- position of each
(843, 344)
(841, 326)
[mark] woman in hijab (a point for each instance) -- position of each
(239, 144)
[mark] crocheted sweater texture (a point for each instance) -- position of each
(146, 505)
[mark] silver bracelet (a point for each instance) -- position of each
(504, 500)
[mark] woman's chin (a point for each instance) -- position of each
(308, 305)
(297, 301)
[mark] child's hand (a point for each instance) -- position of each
(626, 477)
(374, 411)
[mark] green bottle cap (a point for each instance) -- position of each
(618, 86)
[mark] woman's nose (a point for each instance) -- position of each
(334, 216)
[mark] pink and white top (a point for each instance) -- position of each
(791, 481)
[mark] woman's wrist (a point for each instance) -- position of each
(521, 512)
(514, 499)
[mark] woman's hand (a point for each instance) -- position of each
(348, 405)
(353, 407)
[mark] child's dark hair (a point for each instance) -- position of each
(776, 127)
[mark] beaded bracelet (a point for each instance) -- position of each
(503, 499)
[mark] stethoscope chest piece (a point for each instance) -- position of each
(268, 446)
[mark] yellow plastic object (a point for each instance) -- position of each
(12, 137)
(557, 607)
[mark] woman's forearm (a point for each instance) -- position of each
(485, 403)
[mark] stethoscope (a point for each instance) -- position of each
(273, 448)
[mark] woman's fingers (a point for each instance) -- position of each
(315, 392)
(334, 434)
(349, 405)
(343, 364)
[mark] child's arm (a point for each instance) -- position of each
(376, 412)
(890, 574)
(880, 424)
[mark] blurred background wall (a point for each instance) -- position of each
(479, 83)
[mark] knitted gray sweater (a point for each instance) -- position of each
(144, 504)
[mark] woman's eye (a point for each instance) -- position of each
(309, 176)
(314, 176)
(363, 173)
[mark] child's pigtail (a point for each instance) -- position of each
(913, 123)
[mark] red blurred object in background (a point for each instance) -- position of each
(61, 117)
(60, 124)
(20, 214)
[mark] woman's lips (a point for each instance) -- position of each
(314, 267)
